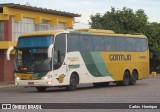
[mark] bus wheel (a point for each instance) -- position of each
(133, 78)
(73, 83)
(102, 84)
(126, 79)
(41, 89)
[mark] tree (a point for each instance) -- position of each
(127, 21)
(152, 31)
(120, 21)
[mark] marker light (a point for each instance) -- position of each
(18, 78)
(49, 82)
(47, 77)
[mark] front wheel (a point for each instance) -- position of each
(41, 89)
(73, 83)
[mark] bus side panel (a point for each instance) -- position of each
(101, 66)
(88, 65)
(118, 62)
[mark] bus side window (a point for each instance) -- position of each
(138, 44)
(109, 44)
(144, 44)
(141, 44)
(73, 42)
(86, 43)
(120, 43)
(98, 43)
(131, 44)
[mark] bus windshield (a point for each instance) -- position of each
(31, 54)
(35, 41)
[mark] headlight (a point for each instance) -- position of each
(47, 77)
(18, 78)
(49, 82)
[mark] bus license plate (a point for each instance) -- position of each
(30, 83)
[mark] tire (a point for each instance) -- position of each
(126, 79)
(73, 83)
(102, 84)
(41, 89)
(133, 78)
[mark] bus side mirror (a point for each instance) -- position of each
(8, 52)
(50, 48)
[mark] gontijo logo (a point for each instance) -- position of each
(119, 57)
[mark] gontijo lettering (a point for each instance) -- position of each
(119, 57)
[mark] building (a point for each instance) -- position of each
(16, 19)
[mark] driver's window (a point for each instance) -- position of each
(59, 50)
(55, 61)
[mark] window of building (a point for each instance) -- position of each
(45, 25)
(20, 27)
(1, 30)
(28, 25)
(61, 26)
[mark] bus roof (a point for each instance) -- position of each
(48, 32)
(83, 31)
(109, 33)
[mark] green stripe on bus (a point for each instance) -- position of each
(90, 64)
(74, 66)
(99, 62)
(39, 75)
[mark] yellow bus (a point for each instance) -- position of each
(67, 58)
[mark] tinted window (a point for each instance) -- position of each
(35, 41)
(131, 44)
(138, 44)
(98, 43)
(120, 44)
(73, 42)
(85, 42)
(109, 43)
(144, 44)
(59, 50)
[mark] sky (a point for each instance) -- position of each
(91, 7)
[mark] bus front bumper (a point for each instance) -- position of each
(33, 83)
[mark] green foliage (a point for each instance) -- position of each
(127, 21)
(120, 21)
(152, 31)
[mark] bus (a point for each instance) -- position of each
(62, 58)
